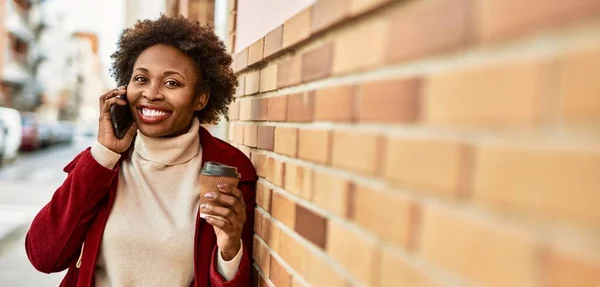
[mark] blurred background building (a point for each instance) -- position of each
(50, 71)
(21, 25)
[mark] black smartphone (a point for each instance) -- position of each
(121, 118)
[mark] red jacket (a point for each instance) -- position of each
(80, 208)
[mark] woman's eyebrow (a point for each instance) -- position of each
(167, 73)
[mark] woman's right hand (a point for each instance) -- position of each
(106, 135)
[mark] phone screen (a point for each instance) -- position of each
(121, 118)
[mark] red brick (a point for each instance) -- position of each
(262, 256)
(411, 29)
(289, 72)
(565, 269)
(255, 52)
(300, 107)
(311, 226)
(579, 89)
(536, 15)
(263, 197)
(273, 41)
(389, 101)
(264, 106)
(316, 64)
(429, 165)
(259, 163)
(259, 109)
(298, 180)
(359, 152)
(511, 262)
(258, 222)
(335, 104)
(358, 254)
(293, 253)
(351, 42)
(245, 109)
(263, 282)
(314, 145)
(553, 183)
(286, 141)
(250, 135)
(278, 274)
(268, 78)
(332, 192)
(394, 270)
(270, 233)
(358, 7)
(241, 89)
(234, 111)
(241, 60)
(297, 28)
(277, 109)
(266, 136)
(252, 83)
(320, 273)
(283, 209)
(297, 283)
(238, 133)
(231, 132)
(373, 208)
(275, 171)
(464, 98)
(326, 13)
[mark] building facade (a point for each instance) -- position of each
(19, 86)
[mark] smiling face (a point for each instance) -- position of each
(162, 92)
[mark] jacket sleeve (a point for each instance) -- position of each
(242, 277)
(59, 229)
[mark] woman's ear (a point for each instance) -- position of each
(201, 101)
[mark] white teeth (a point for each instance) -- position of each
(152, 113)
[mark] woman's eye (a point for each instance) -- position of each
(140, 79)
(171, 83)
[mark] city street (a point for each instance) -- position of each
(25, 186)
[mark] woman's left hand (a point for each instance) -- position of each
(228, 220)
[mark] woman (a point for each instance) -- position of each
(128, 212)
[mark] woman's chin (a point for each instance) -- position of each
(153, 131)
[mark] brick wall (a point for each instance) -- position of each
(425, 143)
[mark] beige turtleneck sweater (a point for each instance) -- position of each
(149, 236)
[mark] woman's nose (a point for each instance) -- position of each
(152, 93)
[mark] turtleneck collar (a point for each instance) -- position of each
(170, 151)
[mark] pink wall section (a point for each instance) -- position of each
(256, 18)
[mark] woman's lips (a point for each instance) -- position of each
(152, 116)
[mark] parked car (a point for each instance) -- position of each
(45, 135)
(30, 139)
(63, 132)
(12, 121)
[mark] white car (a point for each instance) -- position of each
(12, 121)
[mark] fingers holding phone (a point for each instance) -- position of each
(116, 127)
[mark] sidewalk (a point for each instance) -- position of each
(13, 219)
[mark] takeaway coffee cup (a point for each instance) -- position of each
(214, 173)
